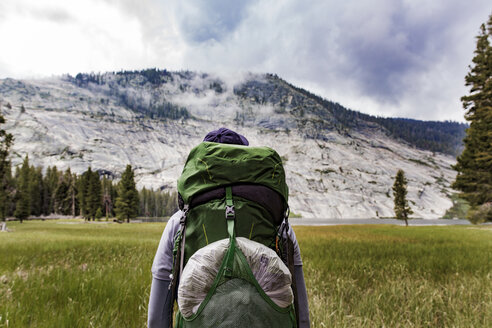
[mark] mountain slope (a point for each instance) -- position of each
(339, 163)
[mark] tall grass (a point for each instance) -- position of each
(98, 275)
(76, 275)
(391, 276)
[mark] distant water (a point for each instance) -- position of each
(411, 222)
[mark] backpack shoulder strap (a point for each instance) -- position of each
(288, 246)
(178, 259)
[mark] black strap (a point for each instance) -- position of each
(173, 286)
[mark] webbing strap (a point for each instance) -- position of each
(229, 201)
(230, 229)
(182, 222)
(229, 212)
(229, 257)
(173, 286)
(230, 218)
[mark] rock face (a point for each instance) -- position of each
(152, 119)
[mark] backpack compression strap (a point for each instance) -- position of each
(288, 258)
(178, 259)
(264, 196)
(230, 216)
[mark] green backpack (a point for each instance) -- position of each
(234, 200)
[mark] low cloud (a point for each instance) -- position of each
(384, 57)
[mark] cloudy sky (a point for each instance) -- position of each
(404, 58)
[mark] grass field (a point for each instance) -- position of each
(54, 274)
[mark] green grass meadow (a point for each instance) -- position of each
(76, 274)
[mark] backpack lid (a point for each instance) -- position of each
(211, 165)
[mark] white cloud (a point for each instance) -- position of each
(72, 36)
(392, 58)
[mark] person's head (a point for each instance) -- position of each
(226, 136)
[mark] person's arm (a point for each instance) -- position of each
(302, 298)
(160, 303)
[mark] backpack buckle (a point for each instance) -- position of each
(229, 212)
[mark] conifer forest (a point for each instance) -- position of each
(34, 192)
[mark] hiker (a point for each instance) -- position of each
(161, 301)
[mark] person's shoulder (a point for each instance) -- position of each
(174, 219)
(287, 230)
(176, 216)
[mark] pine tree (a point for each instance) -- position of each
(46, 192)
(90, 194)
(82, 193)
(108, 197)
(36, 190)
(7, 187)
(70, 204)
(60, 195)
(99, 213)
(474, 165)
(6, 140)
(114, 195)
(171, 204)
(23, 204)
(94, 194)
(402, 210)
(143, 209)
(126, 206)
(51, 180)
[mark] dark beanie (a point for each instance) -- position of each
(226, 136)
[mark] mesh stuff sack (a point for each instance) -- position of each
(202, 268)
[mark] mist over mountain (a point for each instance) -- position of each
(339, 163)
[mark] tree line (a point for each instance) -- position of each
(30, 192)
(156, 108)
